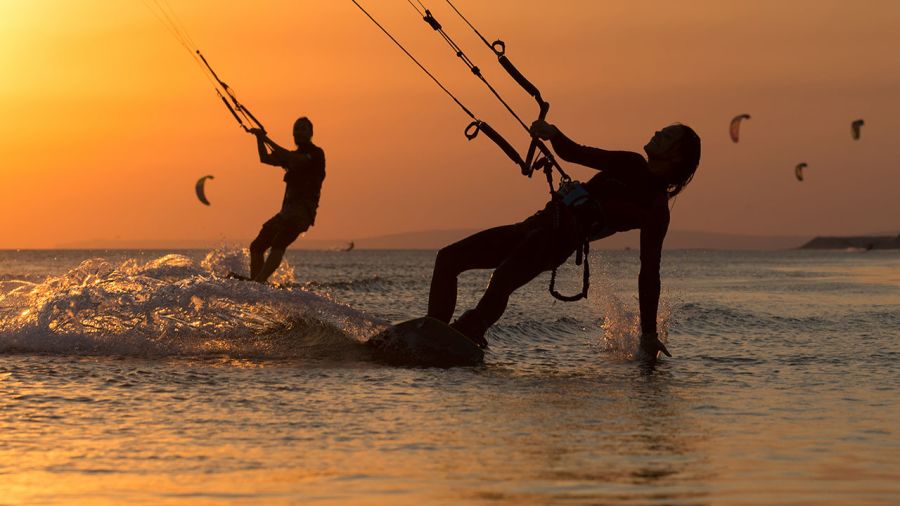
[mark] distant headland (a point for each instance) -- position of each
(864, 242)
(435, 239)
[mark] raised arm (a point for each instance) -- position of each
(617, 163)
(270, 153)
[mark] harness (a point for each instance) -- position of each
(573, 196)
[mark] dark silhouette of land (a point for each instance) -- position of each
(676, 239)
(435, 239)
(864, 242)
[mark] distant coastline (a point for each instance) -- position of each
(435, 239)
(863, 242)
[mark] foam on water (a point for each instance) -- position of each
(172, 306)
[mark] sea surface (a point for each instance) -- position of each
(131, 377)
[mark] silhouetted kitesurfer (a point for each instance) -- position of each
(630, 192)
(304, 173)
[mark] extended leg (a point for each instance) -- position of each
(528, 260)
(484, 250)
(276, 235)
(258, 250)
(540, 243)
(542, 249)
(523, 263)
(271, 264)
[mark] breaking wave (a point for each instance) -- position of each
(172, 306)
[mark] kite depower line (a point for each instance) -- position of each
(167, 16)
(547, 162)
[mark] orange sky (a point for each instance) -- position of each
(108, 123)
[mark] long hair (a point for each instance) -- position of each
(688, 159)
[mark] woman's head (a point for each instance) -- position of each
(674, 154)
(303, 130)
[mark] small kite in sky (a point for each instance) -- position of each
(199, 188)
(735, 127)
(855, 126)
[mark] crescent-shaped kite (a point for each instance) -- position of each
(200, 190)
(735, 127)
(798, 171)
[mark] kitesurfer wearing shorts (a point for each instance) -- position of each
(304, 173)
(629, 192)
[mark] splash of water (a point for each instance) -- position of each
(621, 320)
(171, 306)
(223, 261)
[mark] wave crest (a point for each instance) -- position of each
(172, 306)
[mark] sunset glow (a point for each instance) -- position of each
(108, 122)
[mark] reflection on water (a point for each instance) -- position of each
(335, 434)
(779, 392)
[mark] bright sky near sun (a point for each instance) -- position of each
(108, 122)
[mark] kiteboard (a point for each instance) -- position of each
(425, 342)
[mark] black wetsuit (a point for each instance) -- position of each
(625, 195)
(304, 174)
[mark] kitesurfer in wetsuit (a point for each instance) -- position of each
(304, 172)
(629, 192)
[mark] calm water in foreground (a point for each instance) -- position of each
(142, 378)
